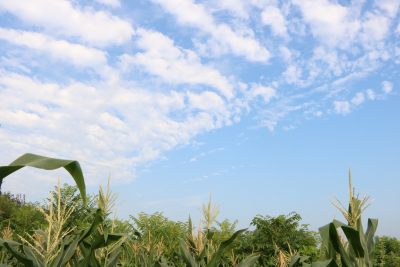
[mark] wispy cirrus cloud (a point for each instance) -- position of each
(75, 54)
(223, 39)
(173, 64)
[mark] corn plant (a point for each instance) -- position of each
(5, 257)
(216, 258)
(57, 245)
(346, 244)
(201, 251)
(354, 246)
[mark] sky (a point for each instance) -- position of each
(265, 105)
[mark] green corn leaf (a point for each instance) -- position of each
(69, 251)
(353, 237)
(18, 255)
(56, 262)
(187, 256)
(98, 219)
(369, 235)
(112, 260)
(216, 258)
(327, 263)
(84, 248)
(164, 263)
(100, 242)
(248, 261)
(298, 261)
(41, 162)
(30, 255)
(338, 223)
(295, 261)
(326, 245)
(338, 246)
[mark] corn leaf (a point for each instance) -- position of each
(41, 162)
(216, 258)
(371, 229)
(187, 256)
(353, 236)
(248, 261)
(327, 263)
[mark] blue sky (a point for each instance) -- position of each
(264, 104)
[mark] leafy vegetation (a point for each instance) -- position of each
(387, 252)
(72, 229)
(275, 236)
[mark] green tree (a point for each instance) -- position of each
(274, 234)
(158, 235)
(224, 230)
(22, 217)
(82, 214)
(387, 252)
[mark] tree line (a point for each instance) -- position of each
(72, 228)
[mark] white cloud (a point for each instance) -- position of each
(331, 58)
(237, 7)
(318, 113)
(109, 131)
(292, 74)
(371, 94)
(76, 54)
(332, 23)
(173, 64)
(18, 117)
(286, 53)
(375, 27)
(273, 17)
(390, 7)
(387, 87)
(211, 103)
(111, 3)
(224, 39)
(358, 99)
(265, 92)
(342, 107)
(65, 19)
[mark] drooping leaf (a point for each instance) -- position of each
(46, 163)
